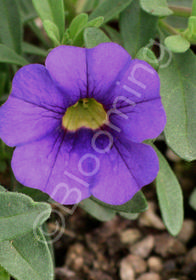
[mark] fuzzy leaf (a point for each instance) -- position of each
(156, 8)
(96, 210)
(137, 27)
(19, 214)
(170, 196)
(179, 99)
(10, 25)
(27, 257)
(52, 31)
(32, 49)
(94, 36)
(192, 200)
(3, 274)
(109, 9)
(137, 204)
(8, 55)
(77, 24)
(53, 11)
(148, 56)
(177, 43)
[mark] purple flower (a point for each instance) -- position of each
(78, 124)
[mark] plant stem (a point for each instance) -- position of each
(168, 27)
(181, 11)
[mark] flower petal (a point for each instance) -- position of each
(105, 64)
(67, 66)
(51, 165)
(129, 90)
(72, 167)
(137, 109)
(124, 171)
(145, 120)
(34, 108)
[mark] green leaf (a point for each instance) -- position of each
(77, 25)
(194, 8)
(53, 11)
(96, 210)
(192, 200)
(137, 204)
(88, 5)
(109, 9)
(10, 25)
(170, 196)
(177, 43)
(113, 34)
(27, 10)
(3, 274)
(94, 36)
(2, 189)
(52, 31)
(19, 214)
(32, 49)
(148, 56)
(27, 257)
(156, 8)
(137, 28)
(179, 99)
(8, 55)
(129, 216)
(35, 194)
(190, 32)
(96, 22)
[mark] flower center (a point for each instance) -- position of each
(87, 112)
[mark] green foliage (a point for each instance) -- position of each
(194, 8)
(74, 34)
(23, 246)
(94, 36)
(129, 216)
(148, 56)
(52, 31)
(179, 99)
(190, 32)
(96, 210)
(109, 9)
(24, 249)
(35, 194)
(53, 11)
(113, 34)
(77, 25)
(29, 214)
(177, 43)
(27, 257)
(137, 24)
(102, 212)
(156, 8)
(27, 10)
(31, 49)
(10, 25)
(8, 55)
(3, 274)
(170, 197)
(137, 204)
(192, 200)
(2, 189)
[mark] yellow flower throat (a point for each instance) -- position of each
(87, 112)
